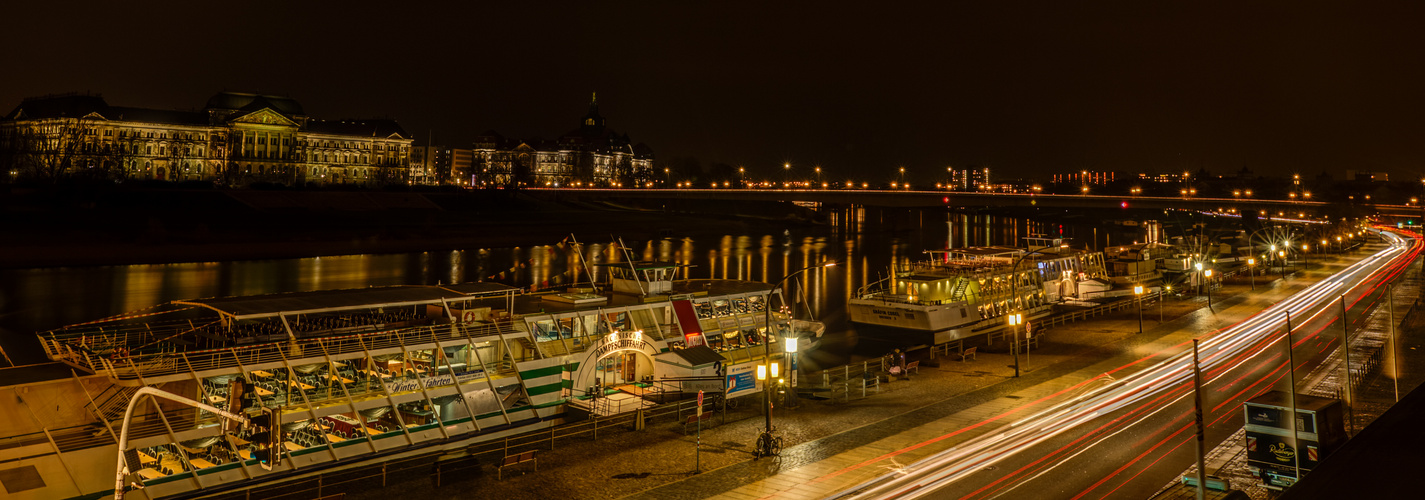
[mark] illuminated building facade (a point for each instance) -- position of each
(969, 179)
(591, 155)
(1163, 178)
(1085, 177)
(236, 139)
(1361, 175)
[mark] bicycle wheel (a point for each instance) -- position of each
(777, 446)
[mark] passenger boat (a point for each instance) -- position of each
(962, 292)
(363, 375)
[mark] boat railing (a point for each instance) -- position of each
(133, 366)
(957, 266)
(905, 299)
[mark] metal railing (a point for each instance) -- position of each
(130, 367)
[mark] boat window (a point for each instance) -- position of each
(642, 319)
(547, 330)
(756, 304)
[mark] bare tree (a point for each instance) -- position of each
(50, 152)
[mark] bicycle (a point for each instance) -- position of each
(767, 444)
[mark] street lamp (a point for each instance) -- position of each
(790, 348)
(818, 175)
(1305, 256)
(765, 445)
(1015, 319)
(1208, 275)
(1198, 265)
(902, 175)
(1161, 298)
(1251, 263)
(1138, 291)
(1282, 254)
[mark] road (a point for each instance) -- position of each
(1132, 430)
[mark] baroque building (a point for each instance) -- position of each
(590, 155)
(236, 139)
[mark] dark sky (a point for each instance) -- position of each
(1026, 88)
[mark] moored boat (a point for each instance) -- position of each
(357, 376)
(964, 292)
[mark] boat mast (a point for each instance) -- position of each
(629, 257)
(579, 249)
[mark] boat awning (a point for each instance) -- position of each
(640, 266)
(481, 288)
(263, 306)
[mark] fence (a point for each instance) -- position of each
(473, 460)
(845, 380)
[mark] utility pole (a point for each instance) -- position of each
(1346, 350)
(1394, 343)
(1291, 393)
(1197, 417)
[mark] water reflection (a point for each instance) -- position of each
(864, 242)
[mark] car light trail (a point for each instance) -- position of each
(1221, 353)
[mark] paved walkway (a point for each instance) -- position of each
(982, 397)
(832, 445)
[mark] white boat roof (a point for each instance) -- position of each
(262, 306)
(995, 251)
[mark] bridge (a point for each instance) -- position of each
(925, 199)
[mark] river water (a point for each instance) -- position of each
(862, 241)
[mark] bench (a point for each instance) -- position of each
(913, 366)
(693, 420)
(968, 353)
(513, 460)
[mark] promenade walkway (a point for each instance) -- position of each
(832, 445)
(980, 396)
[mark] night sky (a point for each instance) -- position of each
(1025, 88)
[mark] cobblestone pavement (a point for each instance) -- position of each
(660, 461)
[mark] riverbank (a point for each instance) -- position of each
(48, 228)
(832, 444)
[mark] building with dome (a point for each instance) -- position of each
(590, 155)
(235, 139)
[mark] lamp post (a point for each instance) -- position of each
(1271, 255)
(790, 347)
(1138, 292)
(1208, 275)
(1251, 273)
(902, 175)
(767, 447)
(1198, 265)
(1161, 298)
(1015, 319)
(1305, 257)
(1282, 254)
